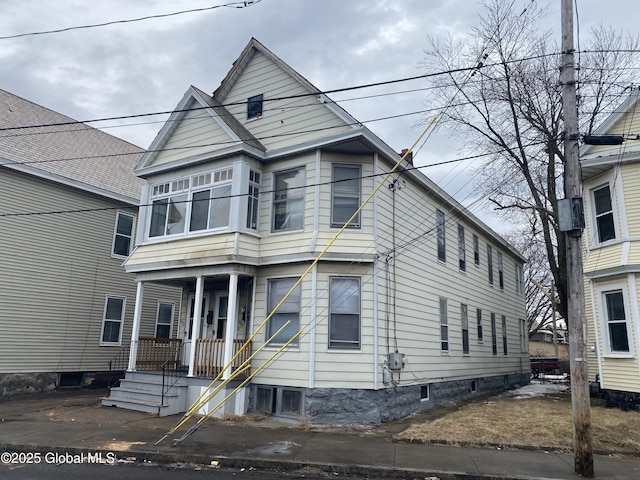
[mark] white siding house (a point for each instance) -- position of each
(402, 311)
(68, 210)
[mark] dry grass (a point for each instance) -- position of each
(540, 423)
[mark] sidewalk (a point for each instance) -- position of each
(73, 422)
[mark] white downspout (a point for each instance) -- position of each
(312, 332)
(376, 384)
(195, 332)
(232, 322)
(135, 330)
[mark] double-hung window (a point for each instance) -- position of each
(616, 324)
(444, 326)
(500, 271)
(519, 280)
(345, 195)
(490, 263)
(479, 322)
(344, 315)
(288, 200)
(476, 250)
(169, 208)
(164, 319)
(123, 235)
(253, 199)
(462, 252)
(112, 321)
(210, 206)
(441, 235)
(494, 335)
(289, 311)
(604, 214)
(504, 335)
(464, 315)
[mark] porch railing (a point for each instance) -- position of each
(210, 356)
(154, 353)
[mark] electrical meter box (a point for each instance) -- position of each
(396, 361)
(570, 214)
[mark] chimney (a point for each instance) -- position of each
(408, 158)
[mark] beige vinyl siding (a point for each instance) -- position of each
(202, 250)
(422, 279)
(631, 186)
(605, 257)
(294, 120)
(196, 133)
(592, 334)
(57, 272)
(621, 374)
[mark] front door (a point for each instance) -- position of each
(188, 338)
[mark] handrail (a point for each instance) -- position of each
(118, 365)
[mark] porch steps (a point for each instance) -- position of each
(142, 391)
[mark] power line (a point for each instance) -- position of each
(131, 20)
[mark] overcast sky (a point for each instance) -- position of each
(146, 66)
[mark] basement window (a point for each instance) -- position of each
(265, 400)
(424, 392)
(254, 107)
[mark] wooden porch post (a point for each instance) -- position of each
(232, 322)
(135, 330)
(195, 332)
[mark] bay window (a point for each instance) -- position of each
(288, 201)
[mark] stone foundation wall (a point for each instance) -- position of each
(17, 383)
(342, 406)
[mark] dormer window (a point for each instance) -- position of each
(254, 107)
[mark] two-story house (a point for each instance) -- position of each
(415, 303)
(68, 211)
(611, 176)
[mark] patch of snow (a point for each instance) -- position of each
(538, 388)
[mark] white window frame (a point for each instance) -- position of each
(490, 263)
(494, 335)
(505, 342)
(464, 317)
(117, 234)
(119, 321)
(480, 331)
(444, 326)
(298, 197)
(596, 216)
(338, 190)
(253, 199)
(604, 320)
(288, 308)
(476, 250)
(462, 249)
(500, 271)
(519, 279)
(441, 235)
(336, 308)
(173, 306)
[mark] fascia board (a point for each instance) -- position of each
(20, 167)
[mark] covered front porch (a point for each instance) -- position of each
(207, 332)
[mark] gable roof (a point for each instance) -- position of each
(74, 154)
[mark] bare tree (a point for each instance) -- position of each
(509, 108)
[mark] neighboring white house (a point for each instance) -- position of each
(68, 210)
(418, 302)
(612, 256)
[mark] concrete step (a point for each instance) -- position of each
(132, 404)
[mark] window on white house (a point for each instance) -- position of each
(440, 227)
(424, 392)
(523, 335)
(344, 315)
(288, 200)
(290, 402)
(490, 263)
(616, 322)
(253, 199)
(289, 311)
(254, 107)
(112, 321)
(164, 319)
(345, 195)
(494, 335)
(504, 335)
(479, 322)
(123, 235)
(444, 326)
(265, 399)
(519, 280)
(476, 250)
(200, 202)
(462, 252)
(604, 214)
(500, 271)
(464, 315)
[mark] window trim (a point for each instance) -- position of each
(505, 343)
(462, 249)
(500, 271)
(344, 345)
(490, 263)
(441, 235)
(604, 320)
(494, 335)
(173, 308)
(357, 222)
(464, 320)
(444, 325)
(479, 324)
(131, 236)
(268, 331)
(476, 250)
(253, 101)
(597, 216)
(105, 320)
(303, 171)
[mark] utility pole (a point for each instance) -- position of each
(580, 401)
